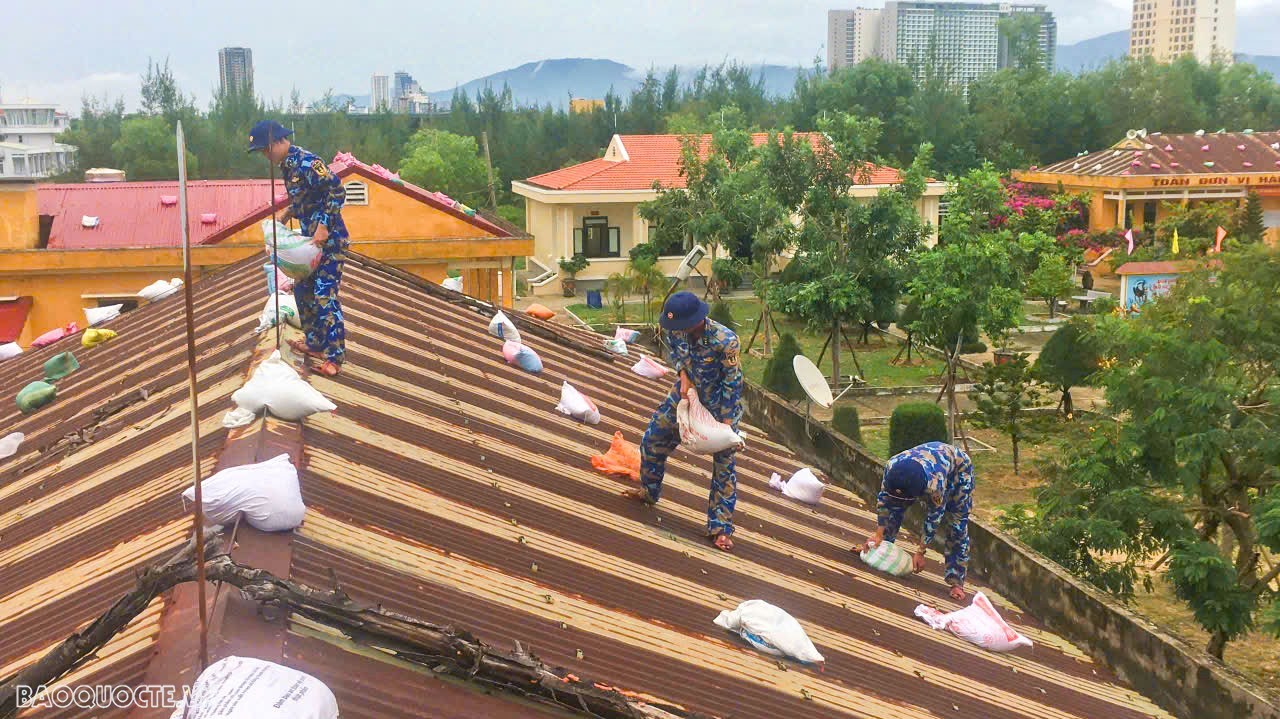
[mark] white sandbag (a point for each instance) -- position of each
(298, 256)
(98, 315)
(452, 283)
(160, 289)
(9, 445)
(626, 335)
(576, 405)
(771, 630)
(245, 688)
(288, 310)
(503, 328)
(238, 418)
(267, 493)
(9, 350)
(700, 431)
(978, 623)
(276, 387)
(803, 486)
(647, 367)
(616, 346)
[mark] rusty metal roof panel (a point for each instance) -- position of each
(445, 486)
(1173, 155)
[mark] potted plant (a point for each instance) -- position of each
(570, 268)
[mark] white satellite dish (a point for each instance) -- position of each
(812, 380)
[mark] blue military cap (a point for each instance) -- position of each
(266, 132)
(683, 311)
(905, 480)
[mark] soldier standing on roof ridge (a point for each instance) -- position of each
(705, 354)
(942, 475)
(315, 200)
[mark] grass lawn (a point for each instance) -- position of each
(875, 357)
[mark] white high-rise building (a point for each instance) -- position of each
(962, 39)
(235, 68)
(28, 145)
(1169, 29)
(380, 95)
(852, 36)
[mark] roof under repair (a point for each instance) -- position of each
(446, 487)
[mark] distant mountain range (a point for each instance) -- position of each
(1097, 51)
(554, 81)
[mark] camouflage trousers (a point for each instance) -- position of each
(660, 439)
(319, 309)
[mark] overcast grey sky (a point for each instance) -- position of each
(57, 50)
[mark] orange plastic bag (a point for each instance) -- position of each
(623, 459)
(542, 312)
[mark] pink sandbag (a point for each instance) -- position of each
(54, 335)
(647, 367)
(521, 356)
(978, 623)
(626, 335)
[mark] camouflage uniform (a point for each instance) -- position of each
(316, 196)
(713, 366)
(949, 491)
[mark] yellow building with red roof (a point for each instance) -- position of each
(68, 247)
(592, 208)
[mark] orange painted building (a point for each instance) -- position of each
(1133, 183)
(64, 248)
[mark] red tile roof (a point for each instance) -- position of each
(132, 214)
(656, 158)
(1159, 155)
(13, 317)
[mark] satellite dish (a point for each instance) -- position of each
(812, 380)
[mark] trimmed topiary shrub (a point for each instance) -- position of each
(779, 377)
(721, 313)
(914, 423)
(845, 420)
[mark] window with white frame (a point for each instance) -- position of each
(357, 193)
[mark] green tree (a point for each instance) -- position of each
(1252, 223)
(915, 423)
(147, 150)
(852, 253)
(94, 133)
(445, 162)
(1051, 281)
(845, 421)
(1193, 469)
(1068, 359)
(1021, 35)
(963, 285)
(1001, 394)
(779, 376)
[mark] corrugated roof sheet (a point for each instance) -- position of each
(131, 214)
(1159, 154)
(445, 486)
(656, 158)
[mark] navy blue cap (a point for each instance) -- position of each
(265, 132)
(683, 311)
(905, 480)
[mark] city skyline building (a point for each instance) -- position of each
(380, 93)
(1168, 29)
(235, 69)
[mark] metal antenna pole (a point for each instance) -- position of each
(194, 399)
(275, 254)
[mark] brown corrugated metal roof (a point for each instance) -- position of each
(1160, 155)
(445, 486)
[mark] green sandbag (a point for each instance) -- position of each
(888, 558)
(60, 365)
(35, 395)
